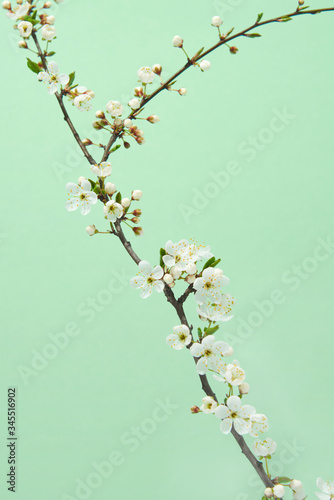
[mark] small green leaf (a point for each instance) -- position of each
(33, 66)
(34, 14)
(92, 183)
(30, 20)
(97, 188)
(52, 53)
(115, 148)
(215, 263)
(208, 263)
(259, 17)
(72, 77)
(303, 8)
(200, 334)
(196, 56)
(285, 19)
(284, 479)
(253, 35)
(229, 32)
(162, 253)
(118, 197)
(211, 331)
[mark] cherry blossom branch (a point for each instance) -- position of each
(177, 304)
(224, 41)
(59, 97)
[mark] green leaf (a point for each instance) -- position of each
(284, 479)
(215, 263)
(30, 20)
(115, 148)
(211, 331)
(34, 14)
(285, 19)
(92, 183)
(52, 53)
(253, 35)
(162, 253)
(259, 17)
(72, 77)
(97, 188)
(200, 334)
(118, 197)
(303, 8)
(196, 56)
(208, 263)
(33, 66)
(229, 32)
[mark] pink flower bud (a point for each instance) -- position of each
(139, 231)
(234, 50)
(195, 409)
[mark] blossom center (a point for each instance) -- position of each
(150, 280)
(207, 352)
(234, 415)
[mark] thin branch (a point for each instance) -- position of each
(61, 104)
(190, 63)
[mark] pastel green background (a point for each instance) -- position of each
(78, 409)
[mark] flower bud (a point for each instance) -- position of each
(156, 68)
(205, 65)
(296, 485)
(134, 104)
(279, 491)
(153, 119)
(140, 140)
(97, 125)
(91, 93)
(190, 279)
(139, 231)
(244, 388)
(118, 122)
(22, 44)
(178, 41)
(139, 92)
(87, 142)
(126, 202)
(19, 2)
(47, 5)
(195, 409)
(216, 21)
(268, 492)
(137, 212)
(234, 50)
(168, 278)
(100, 114)
(301, 2)
(136, 194)
(50, 19)
(135, 220)
(183, 91)
(175, 272)
(191, 269)
(126, 144)
(81, 179)
(128, 123)
(110, 188)
(6, 5)
(91, 230)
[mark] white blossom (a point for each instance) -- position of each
(134, 103)
(48, 32)
(148, 279)
(91, 230)
(216, 21)
(80, 196)
(126, 202)
(298, 490)
(177, 255)
(114, 108)
(19, 11)
(326, 488)
(234, 375)
(217, 312)
(208, 287)
(52, 79)
(180, 338)
(145, 74)
(244, 388)
(110, 188)
(50, 19)
(128, 123)
(234, 414)
(211, 354)
(83, 102)
(183, 91)
(101, 170)
(191, 268)
(25, 29)
(136, 194)
(209, 405)
(205, 65)
(168, 278)
(6, 4)
(264, 448)
(177, 41)
(279, 491)
(113, 210)
(259, 425)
